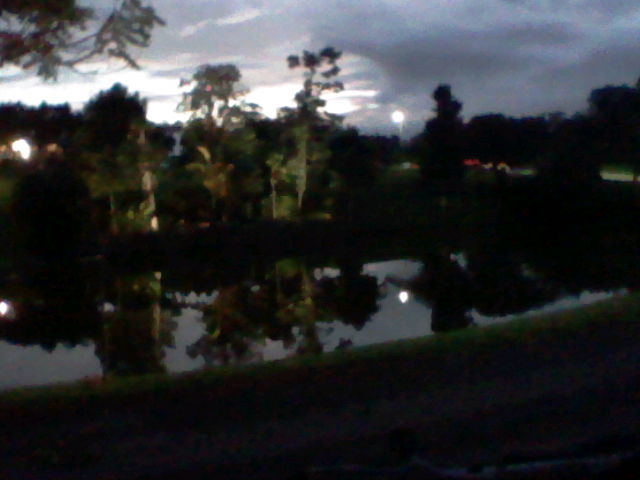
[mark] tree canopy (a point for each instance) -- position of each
(60, 34)
(214, 86)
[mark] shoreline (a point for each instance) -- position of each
(550, 384)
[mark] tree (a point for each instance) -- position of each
(490, 138)
(42, 125)
(214, 86)
(110, 116)
(221, 141)
(352, 159)
(56, 34)
(309, 99)
(443, 138)
(616, 113)
(305, 118)
(117, 159)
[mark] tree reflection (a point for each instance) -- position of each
(352, 296)
(447, 287)
(136, 330)
(276, 305)
(285, 303)
(51, 306)
(502, 286)
(491, 281)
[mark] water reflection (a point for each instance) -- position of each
(285, 303)
(136, 328)
(136, 324)
(448, 289)
(487, 282)
(49, 307)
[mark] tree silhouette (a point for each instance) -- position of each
(43, 125)
(214, 86)
(54, 34)
(615, 111)
(309, 99)
(52, 203)
(443, 138)
(352, 159)
(308, 114)
(573, 158)
(116, 158)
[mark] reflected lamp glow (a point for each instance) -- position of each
(22, 148)
(403, 296)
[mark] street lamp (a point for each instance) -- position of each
(397, 117)
(22, 148)
(403, 296)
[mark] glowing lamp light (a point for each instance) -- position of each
(22, 148)
(7, 311)
(397, 117)
(403, 296)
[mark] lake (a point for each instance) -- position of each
(65, 326)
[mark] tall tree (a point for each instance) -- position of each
(61, 34)
(616, 113)
(309, 112)
(443, 137)
(214, 86)
(117, 159)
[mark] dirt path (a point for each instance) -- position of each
(463, 408)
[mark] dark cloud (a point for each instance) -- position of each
(604, 8)
(520, 57)
(539, 35)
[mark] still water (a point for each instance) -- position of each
(140, 325)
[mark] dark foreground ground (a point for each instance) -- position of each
(549, 393)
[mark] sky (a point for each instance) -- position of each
(517, 57)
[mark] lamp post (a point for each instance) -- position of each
(397, 117)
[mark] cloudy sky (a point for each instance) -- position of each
(518, 57)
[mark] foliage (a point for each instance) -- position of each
(51, 203)
(42, 125)
(308, 119)
(309, 99)
(54, 34)
(109, 142)
(182, 198)
(214, 86)
(134, 334)
(615, 111)
(352, 160)
(276, 306)
(229, 165)
(117, 159)
(442, 136)
(573, 158)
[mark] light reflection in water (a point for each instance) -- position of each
(401, 315)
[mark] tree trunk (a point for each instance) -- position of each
(113, 225)
(302, 178)
(274, 210)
